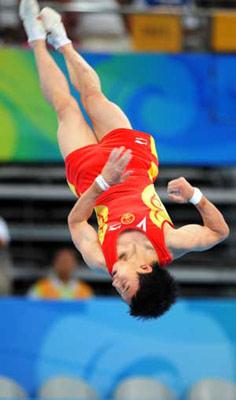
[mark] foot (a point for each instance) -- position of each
(29, 13)
(53, 25)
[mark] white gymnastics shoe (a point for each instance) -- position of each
(29, 13)
(53, 25)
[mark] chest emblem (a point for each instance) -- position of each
(127, 218)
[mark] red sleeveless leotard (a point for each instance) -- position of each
(133, 204)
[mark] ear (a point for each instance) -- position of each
(145, 268)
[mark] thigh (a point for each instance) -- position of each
(73, 131)
(104, 115)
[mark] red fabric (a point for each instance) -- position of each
(84, 164)
(126, 205)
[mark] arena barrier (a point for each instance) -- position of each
(98, 342)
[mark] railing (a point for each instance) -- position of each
(192, 28)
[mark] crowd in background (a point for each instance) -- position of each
(93, 31)
(83, 28)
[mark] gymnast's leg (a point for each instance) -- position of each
(73, 131)
(105, 115)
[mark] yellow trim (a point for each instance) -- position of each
(102, 218)
(153, 171)
(158, 213)
(153, 147)
(72, 188)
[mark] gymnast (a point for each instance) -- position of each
(111, 168)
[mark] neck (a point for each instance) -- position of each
(64, 279)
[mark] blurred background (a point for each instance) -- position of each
(171, 65)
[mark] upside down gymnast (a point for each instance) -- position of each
(112, 168)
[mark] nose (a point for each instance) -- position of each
(116, 284)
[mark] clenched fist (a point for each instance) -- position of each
(180, 190)
(113, 171)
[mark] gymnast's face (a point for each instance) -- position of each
(125, 277)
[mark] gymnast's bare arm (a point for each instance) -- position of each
(195, 237)
(84, 236)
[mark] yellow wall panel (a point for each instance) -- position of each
(157, 33)
(224, 31)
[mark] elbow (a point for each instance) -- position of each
(225, 232)
(71, 219)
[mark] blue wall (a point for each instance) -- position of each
(99, 342)
(188, 102)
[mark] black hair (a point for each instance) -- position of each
(157, 291)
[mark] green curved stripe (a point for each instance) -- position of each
(8, 135)
(26, 116)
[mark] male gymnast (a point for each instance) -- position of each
(112, 168)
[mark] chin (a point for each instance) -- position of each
(127, 301)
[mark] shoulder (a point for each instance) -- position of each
(85, 239)
(175, 241)
(84, 290)
(42, 282)
(39, 288)
(93, 255)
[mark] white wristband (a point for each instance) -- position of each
(102, 183)
(196, 197)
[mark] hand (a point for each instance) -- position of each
(113, 171)
(180, 190)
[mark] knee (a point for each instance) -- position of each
(65, 105)
(92, 99)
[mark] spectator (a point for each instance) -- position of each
(61, 283)
(5, 261)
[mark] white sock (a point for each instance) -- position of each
(57, 40)
(57, 35)
(34, 29)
